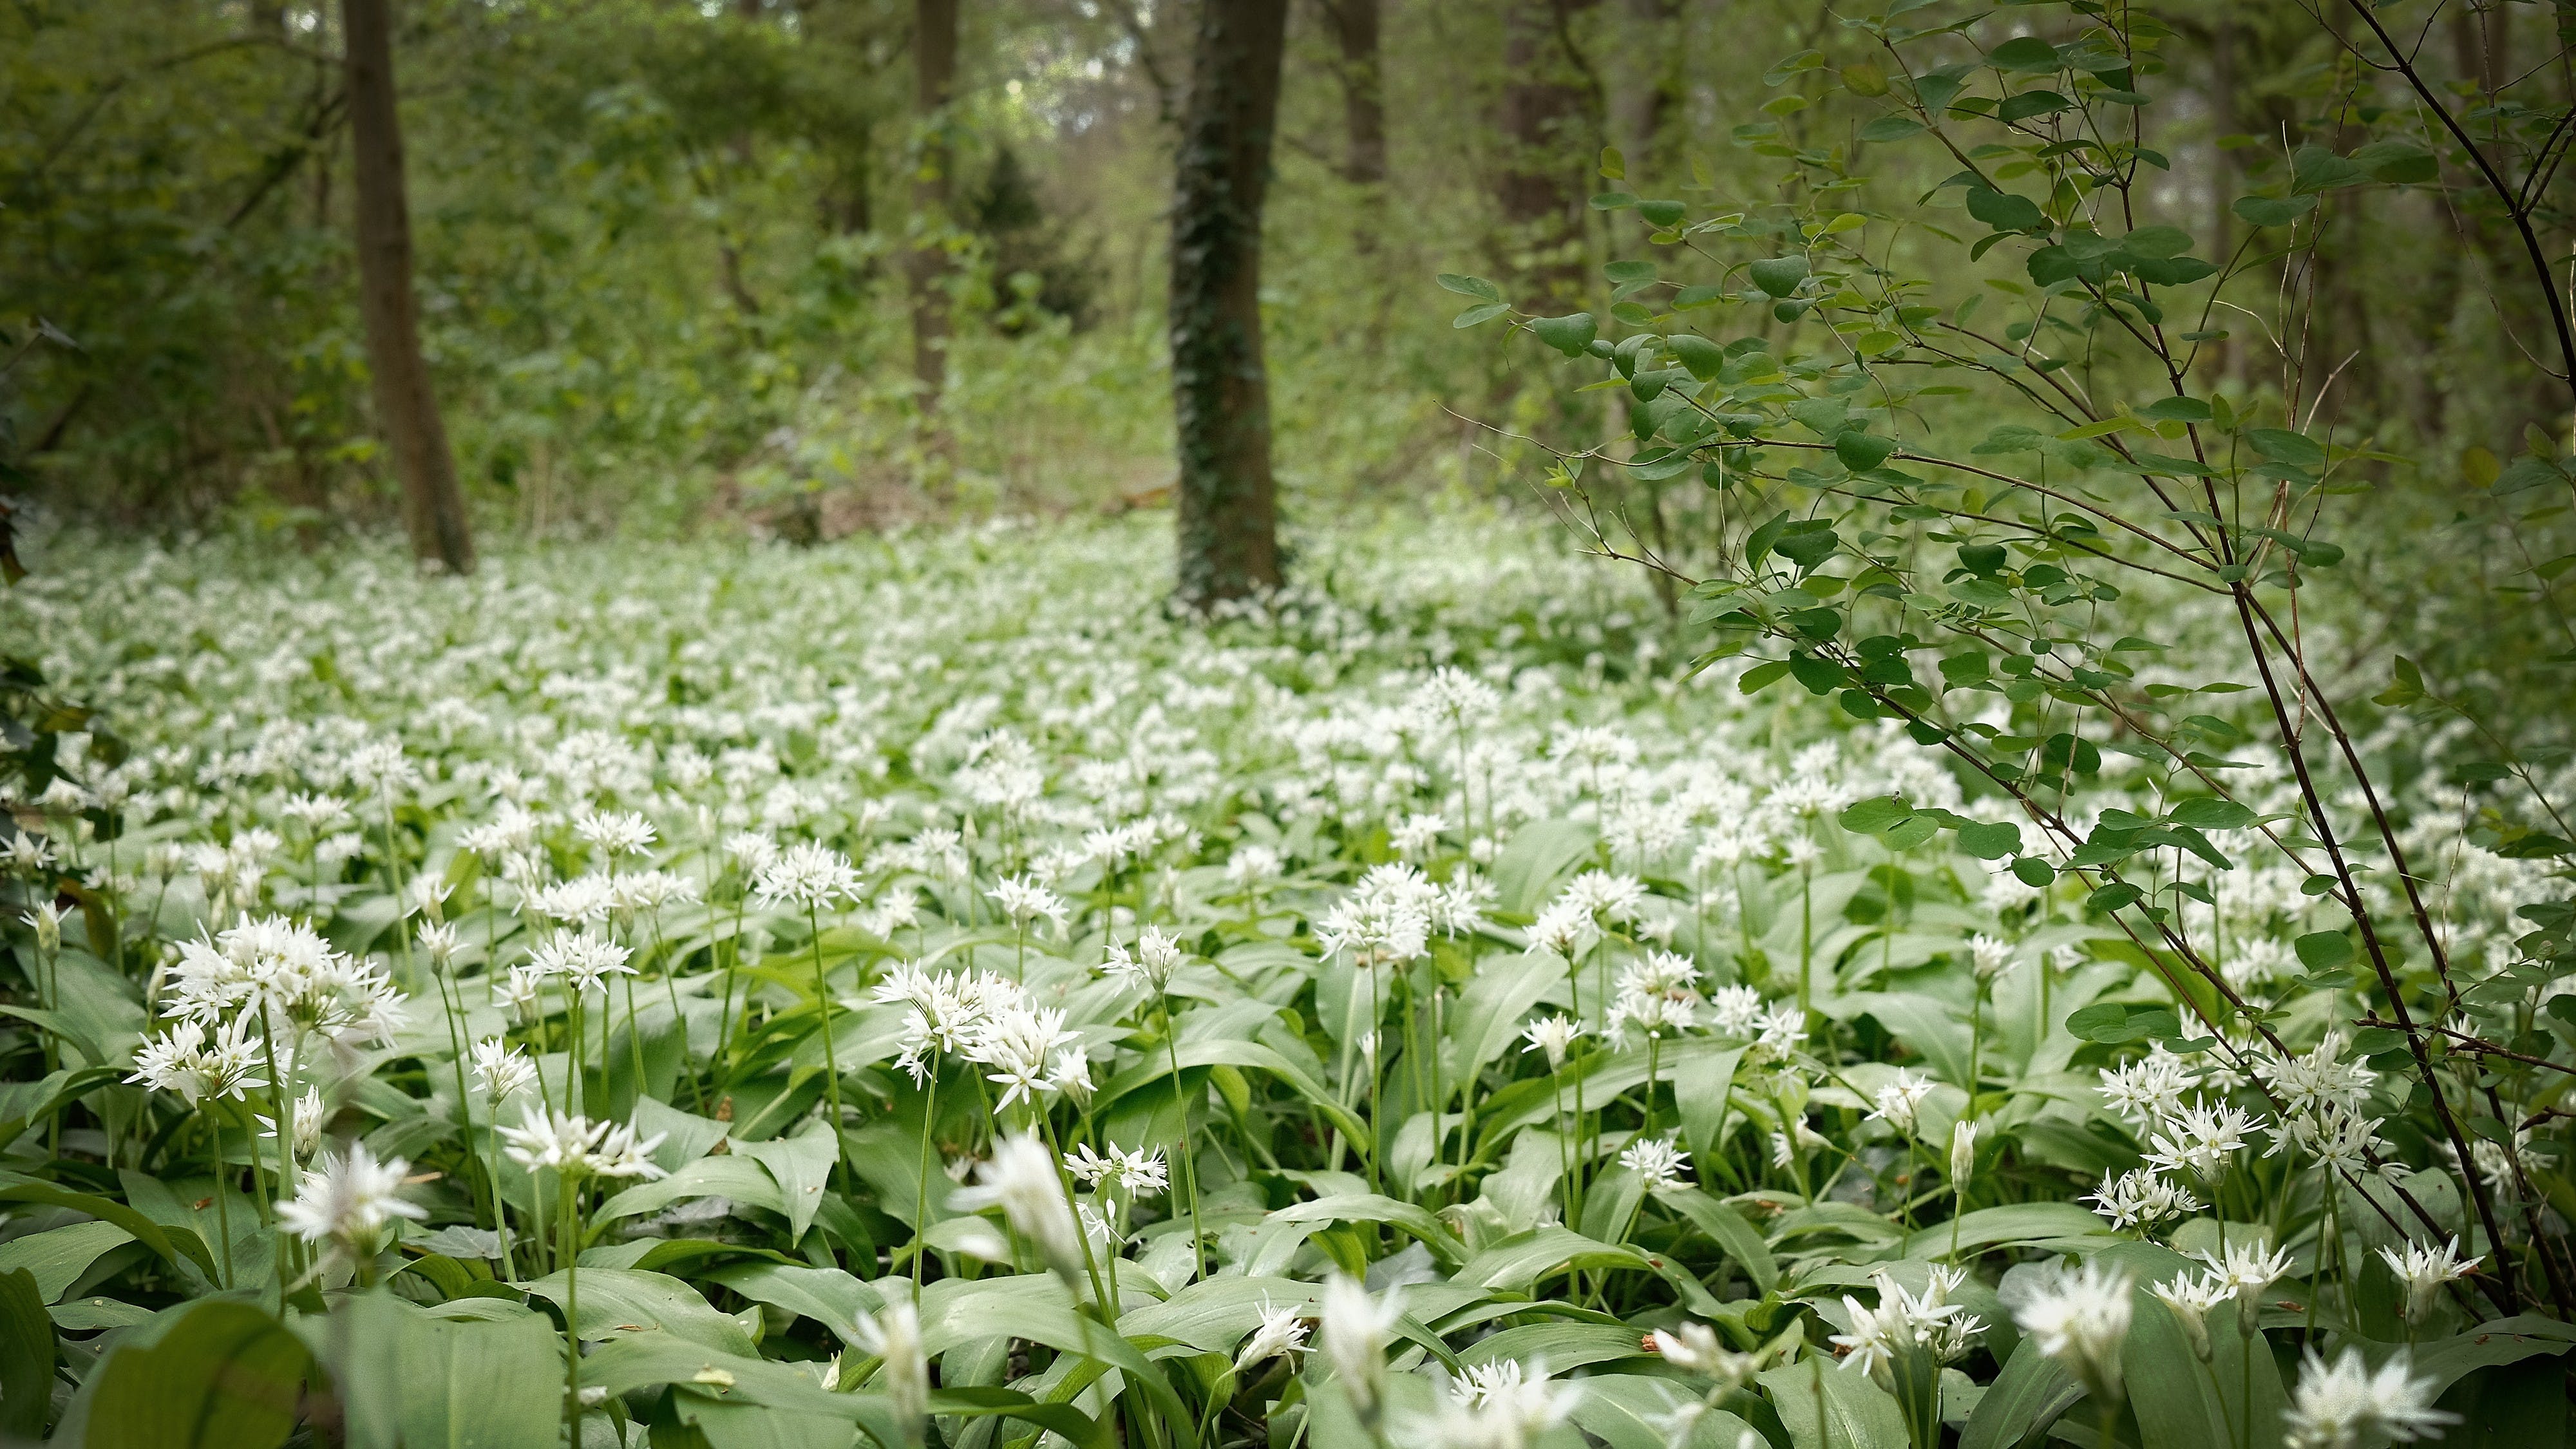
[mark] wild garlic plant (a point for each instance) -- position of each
(1417, 1010)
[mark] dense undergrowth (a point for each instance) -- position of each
(1419, 1010)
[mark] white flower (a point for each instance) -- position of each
(1988, 955)
(1281, 1333)
(1963, 1153)
(584, 962)
(2424, 1270)
(1019, 1043)
(1356, 1328)
(2198, 1140)
(1902, 1322)
(1132, 1175)
(1025, 900)
(347, 1199)
(304, 1118)
(46, 921)
(502, 1069)
(615, 834)
(892, 1335)
(1900, 1098)
(1497, 1406)
(2080, 1317)
(576, 1147)
(1552, 1035)
(2244, 1270)
(2335, 1408)
(1735, 1010)
(1021, 1179)
(808, 877)
(2141, 1198)
(1417, 835)
(1694, 1346)
(2148, 1090)
(1659, 1161)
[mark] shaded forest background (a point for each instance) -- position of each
(662, 247)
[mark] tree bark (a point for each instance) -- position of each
(406, 403)
(1228, 527)
(1551, 119)
(1355, 26)
(934, 76)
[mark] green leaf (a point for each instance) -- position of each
(222, 1375)
(1365, 1207)
(2024, 53)
(1481, 314)
(2496, 1342)
(2006, 211)
(27, 1356)
(2265, 211)
(2315, 168)
(1890, 128)
(170, 1243)
(1824, 1406)
(1662, 213)
(1875, 815)
(2397, 162)
(2031, 1393)
(1570, 334)
(1636, 1411)
(57, 1257)
(2283, 446)
(1476, 287)
(2179, 1402)
(1779, 276)
(1732, 1233)
(1063, 1420)
(621, 1302)
(1990, 840)
(828, 1296)
(2175, 410)
(801, 1166)
(2324, 950)
(477, 1385)
(1861, 451)
(2212, 813)
(2113, 1023)
(2524, 474)
(1704, 358)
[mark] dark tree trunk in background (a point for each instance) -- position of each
(1229, 541)
(1648, 91)
(1355, 34)
(1551, 113)
(934, 77)
(406, 404)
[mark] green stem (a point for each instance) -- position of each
(1188, 1159)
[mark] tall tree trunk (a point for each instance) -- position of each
(1228, 533)
(1551, 119)
(934, 83)
(406, 405)
(1355, 33)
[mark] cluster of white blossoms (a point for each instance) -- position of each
(985, 1018)
(1903, 1322)
(576, 1147)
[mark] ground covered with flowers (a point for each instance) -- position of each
(1420, 1010)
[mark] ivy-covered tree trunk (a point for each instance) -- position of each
(1229, 539)
(934, 75)
(406, 403)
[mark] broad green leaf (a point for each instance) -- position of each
(2029, 1395)
(57, 1257)
(828, 1296)
(27, 1357)
(1372, 1208)
(222, 1375)
(624, 1302)
(2179, 1402)
(1730, 1230)
(1491, 1010)
(2012, 1225)
(169, 1243)
(1779, 276)
(1235, 1052)
(1569, 334)
(2491, 1344)
(1064, 1420)
(1831, 1406)
(1216, 1314)
(1636, 1411)
(728, 1176)
(801, 1164)
(1525, 1258)
(1559, 1346)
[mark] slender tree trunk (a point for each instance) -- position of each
(406, 404)
(934, 74)
(1551, 117)
(1355, 32)
(1229, 543)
